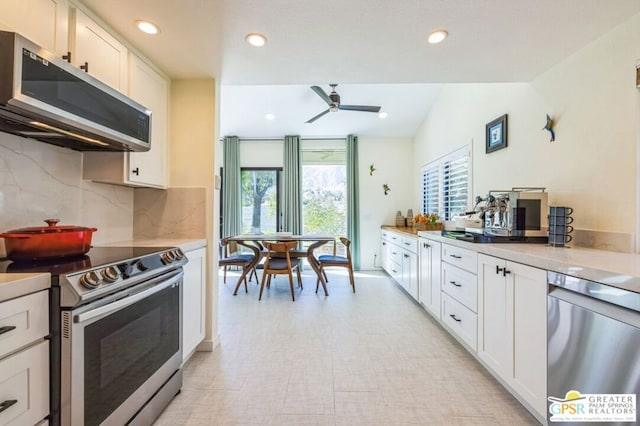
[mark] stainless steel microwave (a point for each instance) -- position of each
(44, 97)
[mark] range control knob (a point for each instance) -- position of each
(178, 253)
(90, 280)
(110, 274)
(168, 257)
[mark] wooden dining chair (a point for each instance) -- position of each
(327, 260)
(233, 257)
(278, 261)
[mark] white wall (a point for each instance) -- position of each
(392, 159)
(40, 181)
(592, 164)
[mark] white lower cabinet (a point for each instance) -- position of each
(24, 359)
(193, 301)
(429, 275)
(512, 331)
(24, 386)
(460, 319)
(399, 255)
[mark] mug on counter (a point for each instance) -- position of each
(559, 225)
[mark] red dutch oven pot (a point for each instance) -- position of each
(47, 242)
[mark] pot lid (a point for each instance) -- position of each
(51, 228)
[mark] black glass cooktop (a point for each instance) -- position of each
(97, 256)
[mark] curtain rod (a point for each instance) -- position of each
(282, 139)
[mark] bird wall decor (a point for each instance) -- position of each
(385, 188)
(371, 170)
(549, 126)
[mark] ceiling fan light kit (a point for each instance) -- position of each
(333, 101)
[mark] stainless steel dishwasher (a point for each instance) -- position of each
(593, 342)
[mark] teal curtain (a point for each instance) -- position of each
(292, 170)
(353, 203)
(231, 202)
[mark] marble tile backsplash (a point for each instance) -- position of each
(171, 213)
(40, 181)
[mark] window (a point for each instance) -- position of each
(260, 200)
(324, 188)
(445, 184)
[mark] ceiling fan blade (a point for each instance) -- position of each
(322, 94)
(317, 116)
(366, 108)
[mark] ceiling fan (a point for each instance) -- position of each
(333, 100)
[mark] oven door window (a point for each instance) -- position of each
(127, 347)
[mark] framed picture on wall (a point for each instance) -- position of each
(497, 134)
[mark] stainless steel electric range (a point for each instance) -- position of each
(116, 333)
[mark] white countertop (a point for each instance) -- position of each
(620, 270)
(14, 285)
(185, 244)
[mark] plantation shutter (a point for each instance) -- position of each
(431, 190)
(455, 186)
(445, 184)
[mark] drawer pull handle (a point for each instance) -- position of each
(406, 256)
(498, 269)
(7, 328)
(407, 244)
(454, 318)
(394, 271)
(393, 252)
(425, 245)
(384, 244)
(505, 271)
(6, 404)
(455, 256)
(455, 283)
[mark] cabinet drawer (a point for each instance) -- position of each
(24, 381)
(26, 320)
(409, 243)
(395, 254)
(395, 270)
(460, 320)
(465, 259)
(461, 285)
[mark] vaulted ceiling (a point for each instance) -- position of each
(375, 49)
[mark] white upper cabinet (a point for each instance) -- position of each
(139, 169)
(96, 51)
(45, 22)
(150, 89)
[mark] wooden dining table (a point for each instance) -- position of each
(247, 240)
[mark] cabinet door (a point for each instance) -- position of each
(410, 273)
(105, 56)
(384, 255)
(529, 377)
(193, 301)
(151, 90)
(45, 22)
(24, 386)
(429, 276)
(495, 324)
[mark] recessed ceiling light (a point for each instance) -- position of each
(147, 27)
(382, 114)
(269, 116)
(437, 36)
(256, 39)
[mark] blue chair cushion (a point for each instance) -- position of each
(238, 258)
(330, 258)
(281, 263)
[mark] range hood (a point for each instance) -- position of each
(45, 98)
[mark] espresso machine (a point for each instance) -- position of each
(517, 213)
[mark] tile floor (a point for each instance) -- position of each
(370, 358)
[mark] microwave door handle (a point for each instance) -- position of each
(126, 301)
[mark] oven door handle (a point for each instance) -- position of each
(127, 301)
